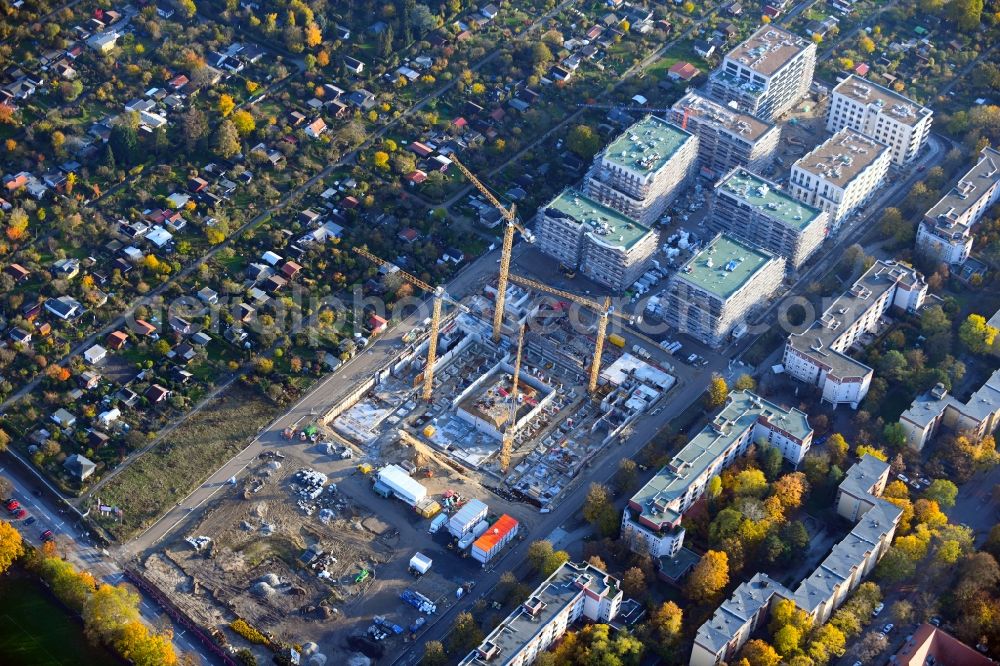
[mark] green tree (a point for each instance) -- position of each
(770, 460)
(894, 435)
(634, 583)
(124, 143)
(787, 640)
(107, 610)
(825, 643)
(976, 334)
(583, 141)
(943, 492)
(933, 320)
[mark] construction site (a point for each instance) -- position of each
(356, 526)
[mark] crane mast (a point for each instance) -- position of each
(439, 294)
(603, 311)
(507, 244)
(507, 443)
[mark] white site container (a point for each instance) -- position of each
(466, 518)
(420, 563)
(402, 486)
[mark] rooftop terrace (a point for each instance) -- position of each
(765, 196)
(606, 224)
(724, 266)
(899, 108)
(768, 50)
(646, 146)
(842, 157)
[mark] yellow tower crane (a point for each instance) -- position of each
(507, 443)
(508, 243)
(439, 295)
(603, 311)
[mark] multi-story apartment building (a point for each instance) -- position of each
(727, 137)
(882, 114)
(767, 74)
(979, 415)
(652, 520)
(818, 355)
(757, 211)
(719, 286)
(841, 174)
(643, 169)
(720, 638)
(573, 592)
(605, 245)
(946, 230)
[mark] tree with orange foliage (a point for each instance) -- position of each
(17, 224)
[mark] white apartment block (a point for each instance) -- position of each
(757, 211)
(720, 638)
(946, 230)
(841, 174)
(643, 169)
(882, 114)
(979, 415)
(719, 287)
(651, 522)
(584, 234)
(767, 75)
(727, 137)
(818, 355)
(572, 593)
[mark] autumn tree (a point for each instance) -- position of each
(381, 159)
(17, 224)
(225, 105)
(866, 44)
(976, 334)
(717, 393)
(11, 546)
(837, 447)
(108, 609)
(634, 583)
(4, 440)
(244, 122)
(194, 127)
(313, 35)
(709, 577)
(227, 140)
(791, 489)
(545, 559)
(465, 634)
(434, 654)
(745, 383)
(143, 648)
(188, 8)
(750, 482)
(758, 653)
(663, 629)
(967, 14)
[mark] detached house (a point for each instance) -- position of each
(64, 307)
(316, 128)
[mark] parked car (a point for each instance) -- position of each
(20, 513)
(47, 535)
(903, 478)
(878, 609)
(30, 520)
(936, 621)
(13, 505)
(887, 628)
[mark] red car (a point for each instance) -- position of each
(20, 513)
(47, 535)
(13, 505)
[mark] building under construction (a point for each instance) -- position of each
(727, 137)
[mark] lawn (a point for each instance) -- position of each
(186, 457)
(35, 630)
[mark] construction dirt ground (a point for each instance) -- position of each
(294, 566)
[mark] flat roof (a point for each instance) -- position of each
(818, 340)
(898, 107)
(765, 196)
(742, 411)
(768, 50)
(724, 265)
(605, 224)
(976, 182)
(704, 110)
(646, 146)
(559, 590)
(839, 159)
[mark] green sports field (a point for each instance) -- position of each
(36, 631)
